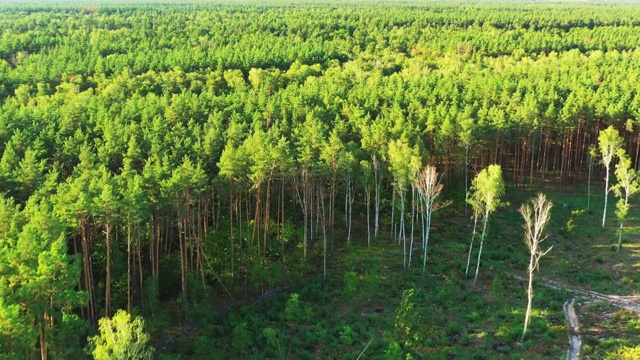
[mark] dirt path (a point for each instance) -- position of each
(631, 302)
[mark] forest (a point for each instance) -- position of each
(320, 179)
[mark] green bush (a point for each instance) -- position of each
(347, 335)
(120, 337)
(351, 281)
(242, 337)
(295, 311)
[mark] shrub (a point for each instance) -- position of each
(121, 338)
(295, 311)
(347, 335)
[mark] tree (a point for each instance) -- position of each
(39, 284)
(310, 137)
(366, 181)
(535, 220)
(429, 187)
(609, 141)
(106, 206)
(404, 162)
(593, 153)
(627, 183)
(486, 190)
(121, 337)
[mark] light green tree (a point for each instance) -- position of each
(609, 141)
(486, 190)
(404, 164)
(121, 337)
(627, 185)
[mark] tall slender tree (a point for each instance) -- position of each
(486, 190)
(627, 186)
(429, 187)
(403, 161)
(536, 218)
(609, 141)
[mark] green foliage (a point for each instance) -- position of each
(407, 326)
(497, 286)
(296, 311)
(39, 283)
(394, 351)
(121, 337)
(347, 335)
(242, 337)
(351, 281)
(625, 353)
(486, 190)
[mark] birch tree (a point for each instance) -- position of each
(402, 160)
(429, 187)
(536, 218)
(593, 153)
(627, 185)
(486, 190)
(609, 141)
(476, 215)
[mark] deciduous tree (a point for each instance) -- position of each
(609, 141)
(486, 190)
(536, 218)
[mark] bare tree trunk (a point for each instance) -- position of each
(527, 315)
(393, 213)
(484, 231)
(282, 227)
(324, 233)
(589, 181)
(87, 269)
(401, 233)
(377, 181)
(413, 212)
(129, 263)
(43, 342)
(107, 285)
(368, 201)
(466, 179)
(231, 244)
(475, 227)
(606, 195)
(535, 221)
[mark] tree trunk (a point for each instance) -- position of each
(232, 245)
(589, 181)
(43, 342)
(87, 269)
(606, 195)
(484, 231)
(377, 180)
(401, 233)
(475, 227)
(183, 259)
(393, 214)
(107, 287)
(324, 235)
(413, 212)
(527, 314)
(368, 201)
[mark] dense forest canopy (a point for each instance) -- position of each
(169, 152)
